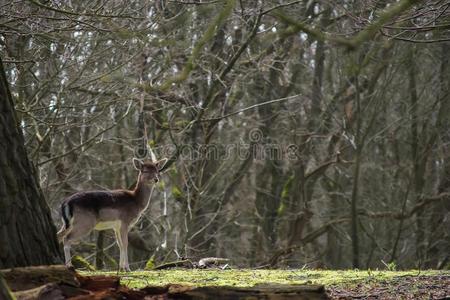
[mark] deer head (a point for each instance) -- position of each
(149, 170)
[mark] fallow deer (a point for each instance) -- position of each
(117, 209)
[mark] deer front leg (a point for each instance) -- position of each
(120, 244)
(124, 238)
(122, 241)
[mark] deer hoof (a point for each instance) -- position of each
(125, 269)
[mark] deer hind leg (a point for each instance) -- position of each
(81, 226)
(66, 215)
(62, 233)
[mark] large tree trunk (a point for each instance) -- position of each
(438, 244)
(27, 234)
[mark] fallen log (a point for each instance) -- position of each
(5, 292)
(19, 279)
(185, 263)
(47, 291)
(99, 282)
(212, 261)
(58, 282)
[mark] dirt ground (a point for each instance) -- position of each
(405, 287)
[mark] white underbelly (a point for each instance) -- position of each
(107, 225)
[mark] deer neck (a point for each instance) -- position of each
(143, 192)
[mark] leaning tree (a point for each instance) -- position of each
(27, 234)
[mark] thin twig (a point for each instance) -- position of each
(250, 107)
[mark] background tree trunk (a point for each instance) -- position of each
(27, 234)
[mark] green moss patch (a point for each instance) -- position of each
(247, 277)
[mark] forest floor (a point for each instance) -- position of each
(348, 284)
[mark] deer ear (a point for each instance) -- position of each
(161, 163)
(138, 164)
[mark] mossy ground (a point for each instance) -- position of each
(246, 277)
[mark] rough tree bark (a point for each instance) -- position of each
(27, 234)
(438, 243)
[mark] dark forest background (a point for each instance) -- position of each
(300, 133)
